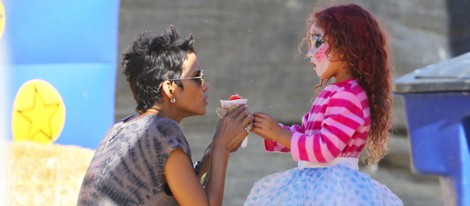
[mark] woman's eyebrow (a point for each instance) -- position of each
(196, 72)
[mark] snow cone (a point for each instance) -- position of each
(227, 105)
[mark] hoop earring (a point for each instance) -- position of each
(173, 100)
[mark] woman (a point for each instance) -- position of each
(145, 159)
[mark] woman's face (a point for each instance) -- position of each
(192, 100)
(317, 51)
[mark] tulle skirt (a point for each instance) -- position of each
(336, 185)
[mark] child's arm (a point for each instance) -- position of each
(276, 136)
(343, 116)
(275, 146)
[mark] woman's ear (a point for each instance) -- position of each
(168, 89)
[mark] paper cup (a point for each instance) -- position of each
(228, 105)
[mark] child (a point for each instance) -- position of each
(344, 43)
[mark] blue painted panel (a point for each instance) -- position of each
(61, 31)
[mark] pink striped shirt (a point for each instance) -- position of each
(336, 126)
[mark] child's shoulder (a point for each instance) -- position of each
(348, 86)
(349, 90)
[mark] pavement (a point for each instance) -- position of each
(251, 163)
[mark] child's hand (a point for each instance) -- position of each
(265, 126)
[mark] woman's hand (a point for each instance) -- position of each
(230, 130)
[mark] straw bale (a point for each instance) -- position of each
(45, 174)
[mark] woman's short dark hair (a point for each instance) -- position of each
(152, 60)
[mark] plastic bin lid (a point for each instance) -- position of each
(445, 76)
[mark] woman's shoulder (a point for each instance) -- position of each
(161, 131)
(164, 120)
(150, 125)
(165, 126)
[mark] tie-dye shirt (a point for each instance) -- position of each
(127, 168)
(336, 126)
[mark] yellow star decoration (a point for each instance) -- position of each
(39, 116)
(39, 113)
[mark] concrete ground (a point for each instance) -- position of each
(251, 163)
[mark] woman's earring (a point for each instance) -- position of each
(173, 100)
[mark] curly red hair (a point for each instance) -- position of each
(356, 35)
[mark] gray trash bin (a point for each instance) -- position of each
(437, 105)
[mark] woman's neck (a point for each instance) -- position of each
(163, 111)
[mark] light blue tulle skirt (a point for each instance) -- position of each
(338, 185)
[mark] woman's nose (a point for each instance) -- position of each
(205, 88)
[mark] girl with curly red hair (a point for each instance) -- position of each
(345, 43)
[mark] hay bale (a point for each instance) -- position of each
(40, 174)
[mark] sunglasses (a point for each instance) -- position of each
(199, 77)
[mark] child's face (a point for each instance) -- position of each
(326, 65)
(317, 51)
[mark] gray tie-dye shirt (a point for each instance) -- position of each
(127, 168)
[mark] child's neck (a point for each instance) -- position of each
(341, 71)
(343, 76)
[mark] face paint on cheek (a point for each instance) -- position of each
(320, 55)
(322, 61)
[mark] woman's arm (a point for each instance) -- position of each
(185, 184)
(228, 135)
(202, 167)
